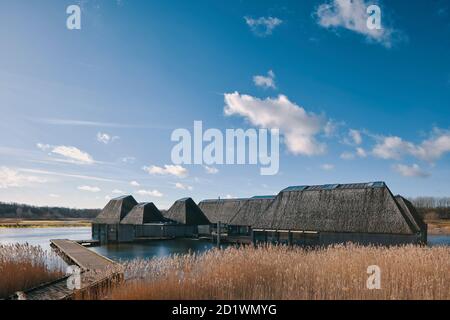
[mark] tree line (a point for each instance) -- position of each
(431, 202)
(23, 211)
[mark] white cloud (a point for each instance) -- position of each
(347, 155)
(352, 15)
(106, 138)
(12, 178)
(150, 193)
(174, 170)
(392, 148)
(117, 191)
(128, 159)
(263, 26)
(355, 135)
(361, 152)
(181, 186)
(298, 126)
(411, 171)
(73, 154)
(229, 196)
(431, 149)
(327, 167)
(211, 170)
(53, 195)
(69, 175)
(89, 189)
(265, 81)
(43, 147)
(107, 197)
(134, 183)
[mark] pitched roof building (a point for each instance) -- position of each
(361, 207)
(187, 212)
(116, 210)
(143, 213)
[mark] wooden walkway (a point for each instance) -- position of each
(76, 254)
(97, 272)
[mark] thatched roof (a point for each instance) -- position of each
(251, 210)
(415, 221)
(187, 212)
(116, 210)
(362, 207)
(222, 210)
(144, 213)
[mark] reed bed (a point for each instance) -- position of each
(280, 272)
(23, 266)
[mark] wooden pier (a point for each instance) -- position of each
(97, 273)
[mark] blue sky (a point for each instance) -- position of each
(84, 112)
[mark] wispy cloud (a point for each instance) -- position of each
(359, 152)
(174, 170)
(211, 170)
(355, 135)
(263, 26)
(150, 193)
(128, 159)
(352, 15)
(74, 154)
(134, 183)
(433, 148)
(106, 138)
(181, 186)
(411, 171)
(13, 178)
(68, 175)
(70, 153)
(265, 81)
(327, 167)
(298, 126)
(88, 123)
(89, 189)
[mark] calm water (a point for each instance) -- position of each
(42, 236)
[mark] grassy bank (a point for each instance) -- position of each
(271, 272)
(15, 223)
(23, 267)
(438, 226)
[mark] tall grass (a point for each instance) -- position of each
(23, 266)
(278, 272)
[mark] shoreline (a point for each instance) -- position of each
(435, 227)
(25, 224)
(438, 227)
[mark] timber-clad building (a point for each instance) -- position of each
(364, 213)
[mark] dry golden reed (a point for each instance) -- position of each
(279, 272)
(23, 266)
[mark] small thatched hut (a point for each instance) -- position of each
(105, 226)
(185, 211)
(143, 213)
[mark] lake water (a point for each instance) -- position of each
(42, 236)
(122, 251)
